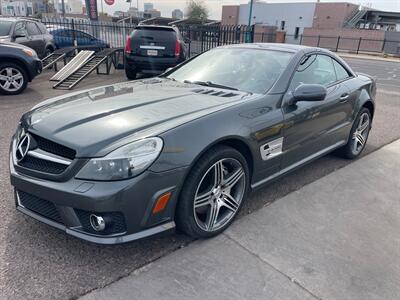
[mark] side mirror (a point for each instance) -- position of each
(19, 33)
(309, 92)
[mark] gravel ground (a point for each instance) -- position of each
(37, 261)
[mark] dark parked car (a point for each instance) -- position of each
(126, 161)
(18, 66)
(64, 37)
(153, 49)
(27, 32)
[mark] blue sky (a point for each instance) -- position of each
(214, 6)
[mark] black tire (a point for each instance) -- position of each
(21, 70)
(130, 74)
(48, 51)
(185, 215)
(348, 151)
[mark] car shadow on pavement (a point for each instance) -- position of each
(43, 262)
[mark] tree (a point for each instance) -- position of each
(196, 9)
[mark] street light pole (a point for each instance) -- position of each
(248, 36)
(63, 8)
(250, 12)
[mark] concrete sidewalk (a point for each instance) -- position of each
(378, 57)
(336, 238)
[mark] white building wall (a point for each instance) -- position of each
(75, 6)
(17, 8)
(294, 14)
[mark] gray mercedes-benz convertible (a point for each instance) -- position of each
(130, 160)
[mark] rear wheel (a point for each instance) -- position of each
(13, 79)
(130, 74)
(213, 193)
(358, 136)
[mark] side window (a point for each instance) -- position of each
(85, 36)
(20, 29)
(32, 29)
(65, 33)
(341, 72)
(81, 35)
(42, 28)
(314, 69)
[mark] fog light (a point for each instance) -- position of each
(97, 222)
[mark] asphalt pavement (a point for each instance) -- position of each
(336, 238)
(37, 261)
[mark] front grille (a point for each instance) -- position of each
(40, 206)
(52, 147)
(42, 165)
(117, 222)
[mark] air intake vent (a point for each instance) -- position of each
(212, 92)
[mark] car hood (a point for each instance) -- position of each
(13, 45)
(95, 122)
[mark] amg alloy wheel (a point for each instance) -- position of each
(358, 136)
(361, 132)
(219, 194)
(213, 193)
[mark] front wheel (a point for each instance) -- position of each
(213, 193)
(358, 136)
(13, 79)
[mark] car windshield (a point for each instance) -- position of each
(250, 70)
(5, 27)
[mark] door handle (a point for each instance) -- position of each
(344, 97)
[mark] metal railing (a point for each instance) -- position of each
(82, 32)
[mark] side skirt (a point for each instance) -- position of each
(298, 164)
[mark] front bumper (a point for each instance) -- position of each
(35, 68)
(67, 205)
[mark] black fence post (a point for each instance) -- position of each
(359, 43)
(383, 45)
(202, 40)
(74, 43)
(189, 36)
(337, 43)
(319, 38)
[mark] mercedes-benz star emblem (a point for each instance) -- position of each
(22, 147)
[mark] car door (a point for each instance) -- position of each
(64, 38)
(20, 35)
(313, 128)
(36, 38)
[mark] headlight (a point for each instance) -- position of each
(30, 52)
(125, 162)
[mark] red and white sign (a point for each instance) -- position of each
(109, 2)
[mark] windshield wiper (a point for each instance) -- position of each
(211, 84)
